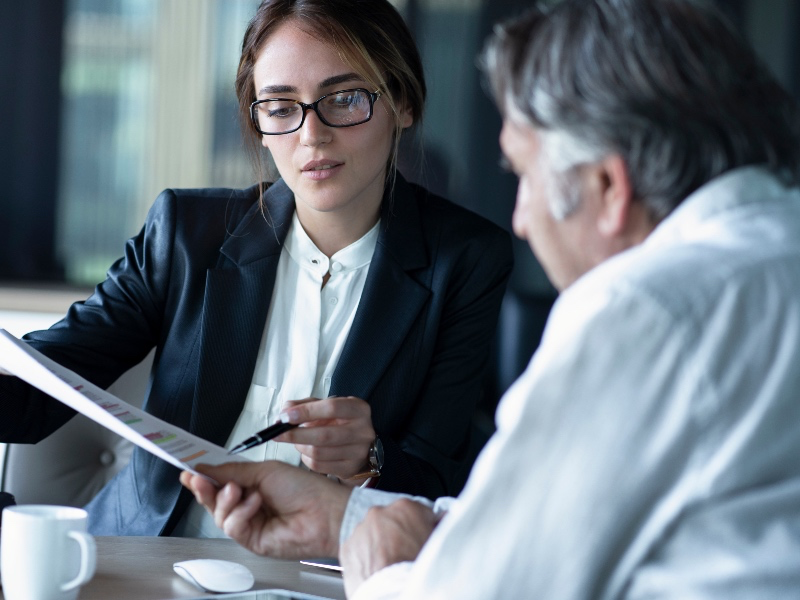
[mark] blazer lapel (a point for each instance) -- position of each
(237, 298)
(391, 301)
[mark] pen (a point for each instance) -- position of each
(263, 436)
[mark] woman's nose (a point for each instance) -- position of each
(314, 132)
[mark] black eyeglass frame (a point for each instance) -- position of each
(373, 96)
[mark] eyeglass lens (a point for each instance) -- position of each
(339, 109)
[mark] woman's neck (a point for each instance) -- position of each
(334, 231)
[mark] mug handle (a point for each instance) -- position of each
(88, 559)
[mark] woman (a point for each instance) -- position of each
(339, 297)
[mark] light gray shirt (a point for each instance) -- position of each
(652, 447)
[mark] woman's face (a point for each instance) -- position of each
(338, 171)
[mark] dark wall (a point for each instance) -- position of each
(469, 173)
(30, 59)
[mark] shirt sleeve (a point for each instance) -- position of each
(386, 584)
(361, 500)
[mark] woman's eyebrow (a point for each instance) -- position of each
(290, 89)
(277, 89)
(336, 79)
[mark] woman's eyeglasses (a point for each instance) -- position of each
(345, 108)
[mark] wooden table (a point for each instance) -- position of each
(140, 568)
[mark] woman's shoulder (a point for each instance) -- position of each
(204, 216)
(454, 238)
(211, 206)
(199, 199)
(452, 217)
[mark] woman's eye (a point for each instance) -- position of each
(342, 100)
(280, 111)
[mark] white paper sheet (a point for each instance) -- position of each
(170, 443)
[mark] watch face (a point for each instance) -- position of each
(378, 447)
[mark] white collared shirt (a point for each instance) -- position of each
(650, 449)
(306, 329)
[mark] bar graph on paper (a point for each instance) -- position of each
(169, 442)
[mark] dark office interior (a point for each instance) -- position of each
(460, 158)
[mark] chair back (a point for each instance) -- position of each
(70, 466)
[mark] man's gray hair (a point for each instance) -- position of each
(669, 85)
(560, 156)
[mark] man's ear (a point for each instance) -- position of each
(616, 195)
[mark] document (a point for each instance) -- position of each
(170, 443)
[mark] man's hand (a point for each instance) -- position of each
(273, 509)
(336, 434)
(387, 535)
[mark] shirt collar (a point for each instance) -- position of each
(306, 254)
(731, 190)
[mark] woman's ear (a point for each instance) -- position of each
(406, 117)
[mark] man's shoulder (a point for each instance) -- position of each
(740, 230)
(689, 278)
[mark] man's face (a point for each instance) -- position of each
(563, 247)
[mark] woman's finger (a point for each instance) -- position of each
(334, 407)
(330, 435)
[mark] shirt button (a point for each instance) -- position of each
(333, 301)
(336, 267)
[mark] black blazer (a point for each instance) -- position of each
(196, 283)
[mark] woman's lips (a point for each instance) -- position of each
(319, 170)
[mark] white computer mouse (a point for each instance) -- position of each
(212, 575)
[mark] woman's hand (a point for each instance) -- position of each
(335, 434)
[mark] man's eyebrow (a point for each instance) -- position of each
(290, 89)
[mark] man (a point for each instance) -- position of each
(651, 447)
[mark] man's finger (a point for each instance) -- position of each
(227, 500)
(237, 523)
(204, 491)
(245, 474)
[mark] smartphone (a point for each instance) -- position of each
(267, 595)
(323, 563)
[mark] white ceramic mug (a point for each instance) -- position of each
(45, 552)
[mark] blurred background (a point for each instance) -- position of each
(104, 103)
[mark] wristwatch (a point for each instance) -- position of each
(374, 461)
